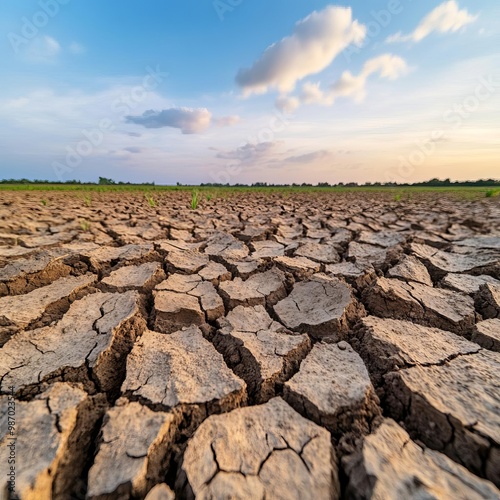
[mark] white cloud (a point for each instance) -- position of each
(445, 18)
(227, 121)
(43, 49)
(354, 86)
(188, 120)
(46, 49)
(349, 85)
(387, 66)
(315, 42)
(312, 94)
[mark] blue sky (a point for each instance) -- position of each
(187, 92)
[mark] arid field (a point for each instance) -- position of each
(286, 345)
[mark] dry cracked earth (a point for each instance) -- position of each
(263, 346)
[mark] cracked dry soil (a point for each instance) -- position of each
(318, 346)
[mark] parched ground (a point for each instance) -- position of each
(320, 345)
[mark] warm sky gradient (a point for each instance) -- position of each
(250, 90)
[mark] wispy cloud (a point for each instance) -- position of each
(250, 153)
(309, 157)
(44, 49)
(313, 45)
(227, 121)
(77, 48)
(445, 18)
(188, 120)
(133, 149)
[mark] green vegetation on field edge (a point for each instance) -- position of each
(400, 192)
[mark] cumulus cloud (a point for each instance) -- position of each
(312, 94)
(249, 153)
(315, 42)
(445, 18)
(188, 120)
(387, 66)
(227, 121)
(353, 86)
(308, 157)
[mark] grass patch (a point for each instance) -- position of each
(85, 226)
(151, 201)
(491, 193)
(195, 199)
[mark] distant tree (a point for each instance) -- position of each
(105, 181)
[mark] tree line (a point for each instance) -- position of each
(432, 183)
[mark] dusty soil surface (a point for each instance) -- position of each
(262, 346)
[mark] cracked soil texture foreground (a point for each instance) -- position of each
(269, 346)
